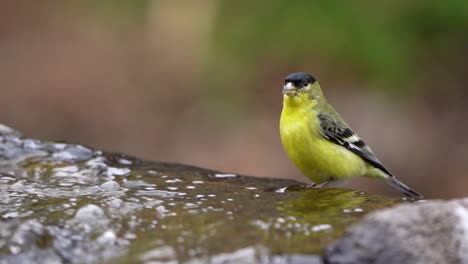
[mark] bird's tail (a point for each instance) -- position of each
(407, 191)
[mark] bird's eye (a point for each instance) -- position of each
(301, 84)
(297, 84)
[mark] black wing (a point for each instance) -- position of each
(344, 136)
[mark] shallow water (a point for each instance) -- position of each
(66, 203)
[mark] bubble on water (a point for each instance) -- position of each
(90, 214)
(321, 227)
(173, 181)
(5, 130)
(65, 171)
(15, 249)
(97, 163)
(225, 175)
(110, 186)
(6, 179)
(281, 190)
(152, 203)
(71, 152)
(190, 205)
(161, 253)
(108, 237)
(66, 184)
(113, 171)
(162, 211)
(197, 182)
(115, 203)
(130, 236)
(124, 161)
(17, 214)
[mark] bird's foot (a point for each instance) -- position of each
(323, 184)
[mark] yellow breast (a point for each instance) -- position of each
(316, 157)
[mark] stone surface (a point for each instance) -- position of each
(425, 233)
(67, 203)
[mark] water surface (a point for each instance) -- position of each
(67, 203)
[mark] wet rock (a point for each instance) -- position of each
(426, 233)
(67, 203)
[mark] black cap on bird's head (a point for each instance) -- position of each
(296, 81)
(299, 78)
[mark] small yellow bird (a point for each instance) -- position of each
(321, 144)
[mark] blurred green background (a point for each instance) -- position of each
(199, 82)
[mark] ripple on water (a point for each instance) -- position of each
(136, 184)
(160, 193)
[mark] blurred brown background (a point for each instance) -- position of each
(199, 82)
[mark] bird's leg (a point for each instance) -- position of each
(323, 184)
(319, 185)
(332, 183)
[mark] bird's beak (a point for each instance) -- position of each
(289, 89)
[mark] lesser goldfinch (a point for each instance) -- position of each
(321, 144)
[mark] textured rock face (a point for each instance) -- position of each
(426, 233)
(66, 203)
